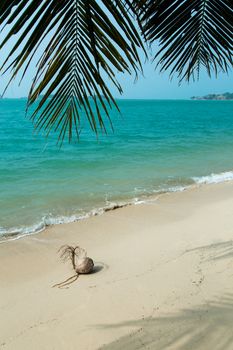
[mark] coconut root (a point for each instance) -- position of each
(68, 281)
(80, 263)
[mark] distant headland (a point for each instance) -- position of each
(222, 97)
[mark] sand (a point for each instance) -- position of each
(163, 279)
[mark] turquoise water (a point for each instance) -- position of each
(156, 146)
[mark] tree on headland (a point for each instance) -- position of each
(89, 41)
(223, 97)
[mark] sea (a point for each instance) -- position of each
(157, 146)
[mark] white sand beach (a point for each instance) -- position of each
(163, 279)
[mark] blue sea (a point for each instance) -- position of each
(157, 146)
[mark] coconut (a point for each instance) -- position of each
(84, 265)
(78, 257)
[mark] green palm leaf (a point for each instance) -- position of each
(191, 34)
(88, 40)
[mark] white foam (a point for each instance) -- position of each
(177, 188)
(16, 233)
(214, 178)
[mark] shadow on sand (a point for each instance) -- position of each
(216, 251)
(206, 327)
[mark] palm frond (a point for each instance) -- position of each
(191, 34)
(88, 40)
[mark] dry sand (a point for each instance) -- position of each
(164, 279)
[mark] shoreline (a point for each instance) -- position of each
(35, 229)
(11, 236)
(163, 274)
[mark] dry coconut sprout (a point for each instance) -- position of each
(80, 262)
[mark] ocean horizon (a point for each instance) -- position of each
(157, 146)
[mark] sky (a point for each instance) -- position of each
(150, 85)
(155, 85)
